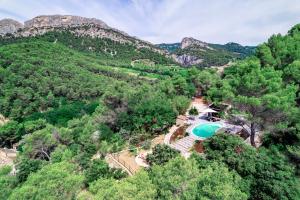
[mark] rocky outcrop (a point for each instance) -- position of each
(62, 21)
(187, 60)
(9, 26)
(189, 41)
(183, 55)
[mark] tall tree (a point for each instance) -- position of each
(259, 93)
(182, 179)
(55, 181)
(7, 182)
(135, 187)
(161, 154)
(266, 173)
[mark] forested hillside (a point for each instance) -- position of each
(41, 80)
(109, 51)
(69, 106)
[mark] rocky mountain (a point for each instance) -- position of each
(113, 46)
(188, 42)
(62, 21)
(78, 26)
(94, 35)
(195, 52)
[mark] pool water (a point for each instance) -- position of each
(206, 130)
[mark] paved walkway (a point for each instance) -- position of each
(169, 134)
(184, 145)
(198, 103)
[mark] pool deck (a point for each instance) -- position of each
(199, 120)
(185, 145)
(191, 127)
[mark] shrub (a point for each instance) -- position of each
(146, 144)
(193, 111)
(161, 154)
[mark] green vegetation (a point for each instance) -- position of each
(69, 108)
(267, 171)
(259, 93)
(161, 154)
(61, 115)
(109, 51)
(169, 47)
(239, 50)
(264, 93)
(55, 181)
(100, 169)
(183, 179)
(7, 182)
(193, 111)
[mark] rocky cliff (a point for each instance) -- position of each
(189, 41)
(9, 26)
(187, 60)
(62, 21)
(186, 54)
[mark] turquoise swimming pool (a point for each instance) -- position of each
(204, 131)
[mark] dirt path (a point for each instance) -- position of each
(7, 157)
(127, 159)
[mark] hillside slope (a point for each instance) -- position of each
(34, 72)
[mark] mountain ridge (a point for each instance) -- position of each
(191, 51)
(84, 34)
(80, 26)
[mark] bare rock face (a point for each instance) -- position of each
(187, 60)
(188, 41)
(9, 26)
(62, 21)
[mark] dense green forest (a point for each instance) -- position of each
(239, 50)
(67, 104)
